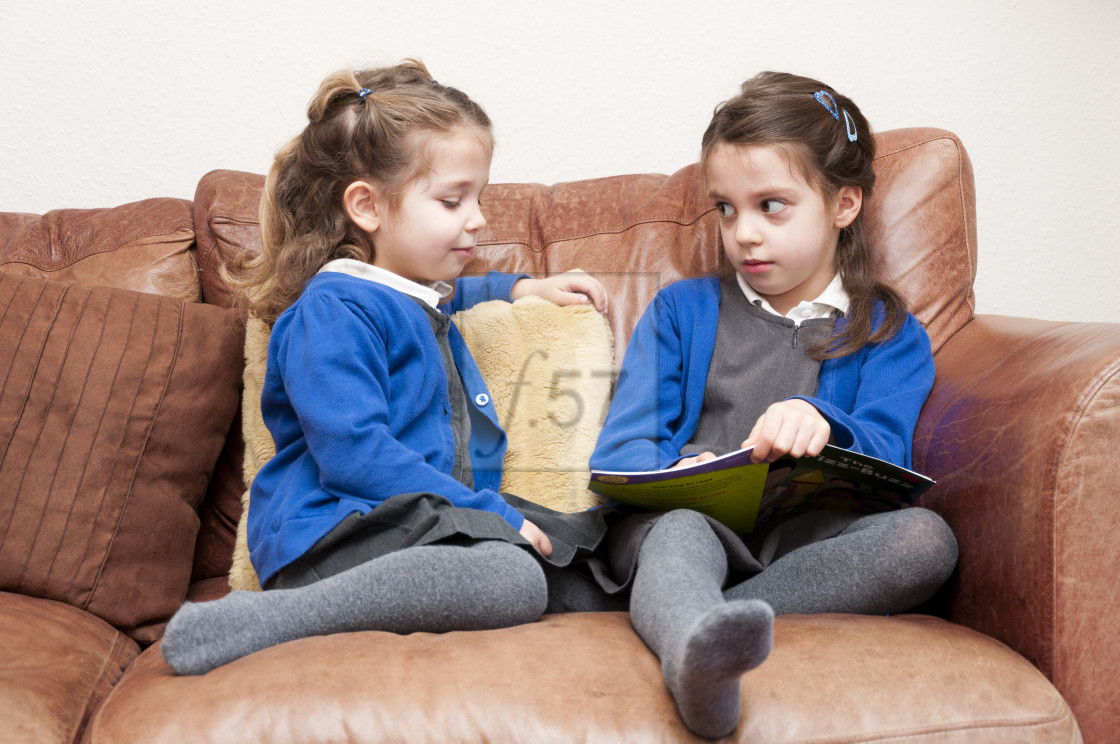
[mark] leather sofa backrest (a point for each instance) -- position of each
(641, 232)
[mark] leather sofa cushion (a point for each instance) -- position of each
(59, 663)
(146, 246)
(587, 677)
(114, 407)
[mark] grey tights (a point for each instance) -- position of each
(434, 588)
(707, 638)
(878, 565)
(704, 642)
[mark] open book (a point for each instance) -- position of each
(742, 494)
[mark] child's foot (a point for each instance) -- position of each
(205, 635)
(703, 676)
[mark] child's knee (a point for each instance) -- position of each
(684, 522)
(926, 553)
(931, 538)
(523, 578)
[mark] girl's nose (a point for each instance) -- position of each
(477, 220)
(746, 232)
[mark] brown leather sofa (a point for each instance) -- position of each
(120, 486)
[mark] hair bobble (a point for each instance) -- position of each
(849, 123)
(363, 93)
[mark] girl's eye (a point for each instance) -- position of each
(449, 203)
(724, 209)
(773, 206)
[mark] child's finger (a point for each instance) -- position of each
(598, 294)
(544, 545)
(702, 457)
(820, 439)
(572, 297)
(788, 440)
(756, 439)
(536, 537)
(588, 288)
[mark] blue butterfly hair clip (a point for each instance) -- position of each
(363, 93)
(832, 108)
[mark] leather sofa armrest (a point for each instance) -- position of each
(1021, 432)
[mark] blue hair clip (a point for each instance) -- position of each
(849, 123)
(363, 93)
(850, 127)
(820, 95)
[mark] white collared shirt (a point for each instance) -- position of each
(430, 295)
(832, 299)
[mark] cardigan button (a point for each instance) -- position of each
(482, 399)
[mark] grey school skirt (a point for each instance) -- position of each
(415, 519)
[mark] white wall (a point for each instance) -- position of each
(104, 105)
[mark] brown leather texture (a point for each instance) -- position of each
(114, 409)
(588, 678)
(921, 222)
(1021, 432)
(146, 246)
(226, 205)
(57, 665)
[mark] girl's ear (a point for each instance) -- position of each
(364, 205)
(849, 200)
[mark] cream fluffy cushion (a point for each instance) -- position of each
(549, 373)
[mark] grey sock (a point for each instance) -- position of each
(703, 673)
(432, 588)
(705, 644)
(881, 564)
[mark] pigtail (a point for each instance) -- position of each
(862, 324)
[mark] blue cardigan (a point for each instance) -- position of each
(871, 399)
(356, 398)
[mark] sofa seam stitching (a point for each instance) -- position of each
(113, 250)
(1007, 723)
(1099, 381)
(628, 228)
(89, 712)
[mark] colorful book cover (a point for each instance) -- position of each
(744, 495)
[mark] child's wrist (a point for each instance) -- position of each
(523, 287)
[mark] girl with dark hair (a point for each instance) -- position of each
(794, 346)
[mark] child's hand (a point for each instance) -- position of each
(702, 457)
(791, 427)
(536, 537)
(575, 287)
